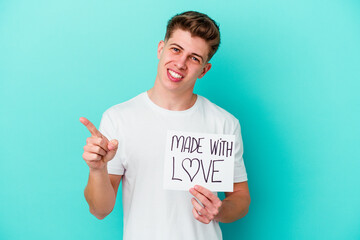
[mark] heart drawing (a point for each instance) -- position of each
(190, 169)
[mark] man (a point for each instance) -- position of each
(137, 130)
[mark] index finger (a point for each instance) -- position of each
(207, 193)
(90, 127)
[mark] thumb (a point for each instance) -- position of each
(112, 146)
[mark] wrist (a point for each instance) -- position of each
(98, 171)
(220, 215)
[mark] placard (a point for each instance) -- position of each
(199, 159)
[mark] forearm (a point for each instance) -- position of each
(234, 207)
(99, 193)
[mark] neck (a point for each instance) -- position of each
(171, 100)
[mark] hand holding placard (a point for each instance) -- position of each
(98, 149)
(210, 204)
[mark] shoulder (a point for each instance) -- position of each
(217, 113)
(132, 105)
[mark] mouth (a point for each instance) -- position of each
(174, 76)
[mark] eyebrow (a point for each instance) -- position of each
(202, 59)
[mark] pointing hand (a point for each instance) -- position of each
(98, 149)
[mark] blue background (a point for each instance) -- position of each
(288, 70)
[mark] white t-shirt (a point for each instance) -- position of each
(141, 126)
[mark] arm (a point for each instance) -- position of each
(100, 192)
(101, 189)
(233, 207)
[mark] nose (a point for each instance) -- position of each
(180, 62)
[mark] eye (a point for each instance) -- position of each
(195, 59)
(175, 49)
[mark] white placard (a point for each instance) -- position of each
(199, 159)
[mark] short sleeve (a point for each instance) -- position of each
(109, 128)
(240, 174)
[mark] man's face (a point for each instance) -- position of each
(182, 60)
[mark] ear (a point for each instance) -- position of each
(205, 70)
(160, 48)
